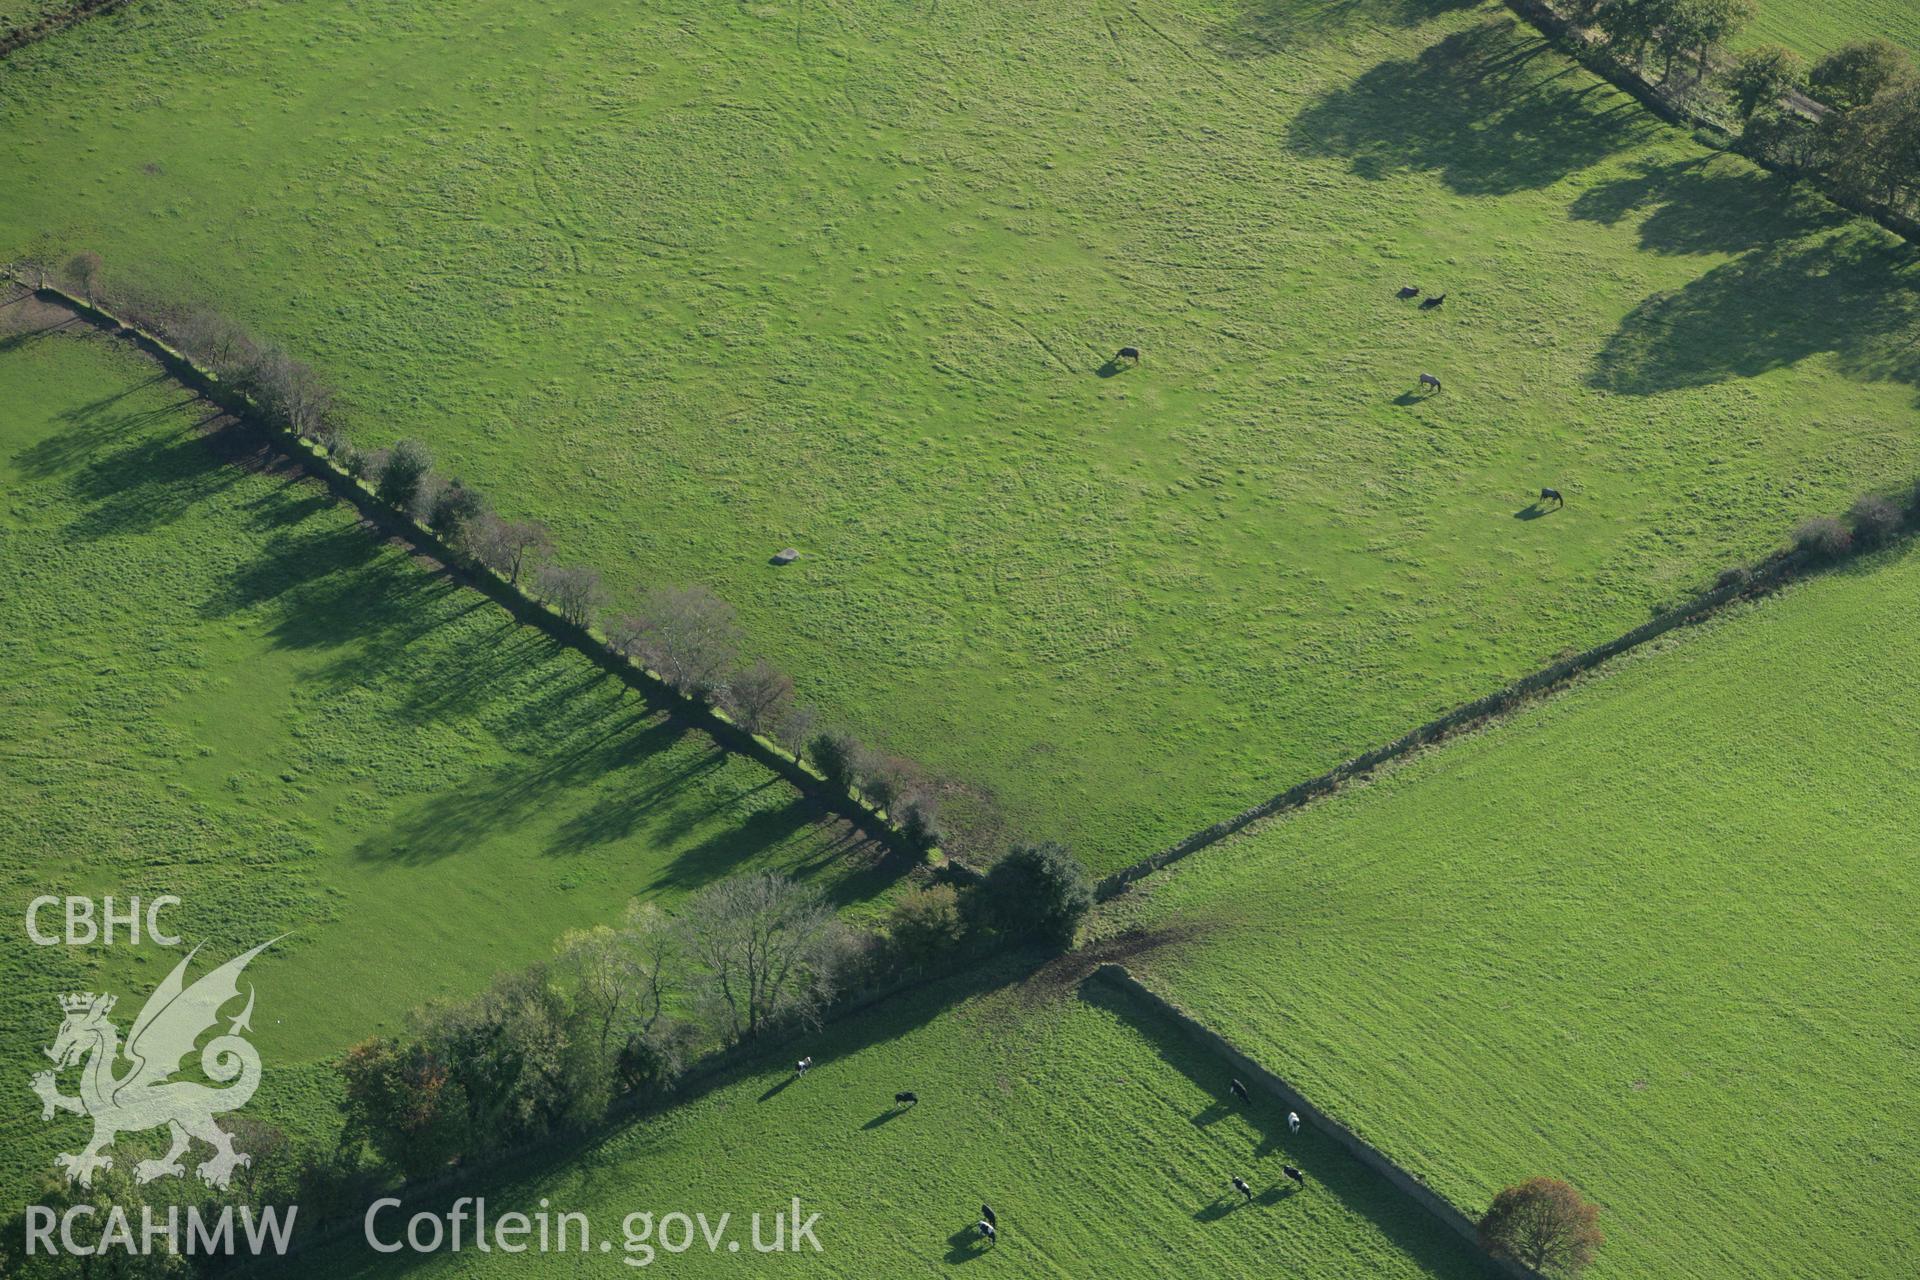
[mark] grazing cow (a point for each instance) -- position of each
(1240, 1091)
(1240, 1185)
(1294, 1173)
(1129, 353)
(907, 1096)
(988, 1216)
(987, 1232)
(1552, 495)
(1293, 1122)
(1409, 291)
(1428, 380)
(1437, 300)
(803, 1066)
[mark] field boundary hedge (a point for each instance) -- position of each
(712, 1070)
(1596, 57)
(58, 21)
(314, 462)
(1773, 572)
(1258, 1077)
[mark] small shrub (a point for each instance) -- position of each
(1874, 521)
(407, 465)
(1038, 892)
(651, 1062)
(834, 755)
(454, 508)
(369, 465)
(1734, 577)
(84, 270)
(1823, 536)
(507, 546)
(425, 494)
(796, 728)
(885, 779)
(574, 591)
(919, 821)
(924, 925)
(759, 697)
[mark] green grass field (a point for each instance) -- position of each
(218, 685)
(1655, 937)
(695, 282)
(15, 14)
(1815, 27)
(1103, 1141)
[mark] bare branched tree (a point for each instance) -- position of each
(768, 950)
(797, 728)
(508, 546)
(573, 590)
(760, 697)
(688, 635)
(619, 977)
(84, 270)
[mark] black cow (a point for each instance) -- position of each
(1552, 495)
(1129, 353)
(1240, 1185)
(987, 1215)
(987, 1232)
(908, 1097)
(1428, 380)
(1437, 300)
(1240, 1091)
(1294, 1173)
(1408, 291)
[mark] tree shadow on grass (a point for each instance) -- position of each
(122, 478)
(1261, 28)
(529, 1174)
(1709, 204)
(619, 813)
(1853, 294)
(456, 817)
(23, 338)
(1491, 111)
(845, 865)
(1329, 1168)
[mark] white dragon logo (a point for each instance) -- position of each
(145, 1097)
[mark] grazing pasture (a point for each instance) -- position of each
(1103, 1142)
(696, 282)
(15, 14)
(1815, 27)
(1655, 937)
(215, 683)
